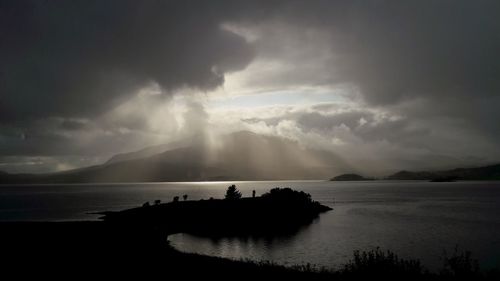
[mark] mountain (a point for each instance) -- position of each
(491, 172)
(237, 156)
(148, 151)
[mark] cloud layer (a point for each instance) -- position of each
(412, 82)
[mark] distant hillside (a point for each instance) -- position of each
(350, 177)
(143, 153)
(491, 172)
(148, 151)
(237, 156)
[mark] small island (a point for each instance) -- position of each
(281, 210)
(444, 179)
(350, 177)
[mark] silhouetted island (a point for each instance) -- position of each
(444, 179)
(350, 177)
(281, 210)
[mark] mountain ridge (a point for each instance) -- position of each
(238, 156)
(489, 172)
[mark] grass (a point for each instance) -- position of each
(384, 265)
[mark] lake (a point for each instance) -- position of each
(414, 219)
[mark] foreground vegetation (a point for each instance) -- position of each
(388, 266)
(90, 249)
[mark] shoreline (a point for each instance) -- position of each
(99, 247)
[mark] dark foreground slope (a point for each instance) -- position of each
(97, 250)
(102, 250)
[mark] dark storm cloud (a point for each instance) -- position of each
(394, 50)
(78, 58)
(424, 49)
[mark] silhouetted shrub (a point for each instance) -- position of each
(460, 265)
(185, 197)
(232, 193)
(176, 199)
(379, 263)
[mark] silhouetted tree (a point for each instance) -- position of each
(185, 197)
(253, 193)
(176, 199)
(233, 193)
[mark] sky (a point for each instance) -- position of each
(388, 85)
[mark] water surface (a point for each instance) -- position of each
(414, 219)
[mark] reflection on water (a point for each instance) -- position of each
(413, 219)
(271, 248)
(249, 247)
